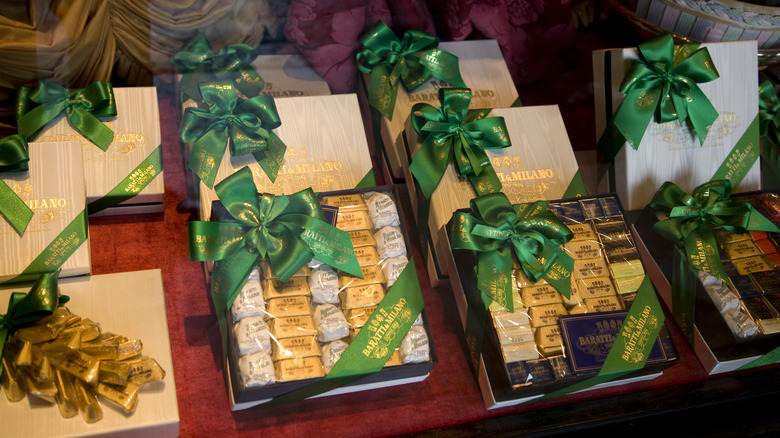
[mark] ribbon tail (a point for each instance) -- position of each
(701, 113)
(633, 116)
(92, 128)
(15, 211)
(486, 182)
(206, 156)
(428, 166)
(381, 92)
(494, 276)
(271, 159)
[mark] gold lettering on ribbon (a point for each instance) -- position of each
(636, 333)
(384, 327)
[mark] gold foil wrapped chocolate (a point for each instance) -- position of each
(65, 360)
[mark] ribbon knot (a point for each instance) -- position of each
(662, 84)
(245, 126)
(413, 60)
(23, 309)
(232, 63)
(35, 107)
(288, 230)
(452, 131)
(692, 219)
(14, 158)
(496, 230)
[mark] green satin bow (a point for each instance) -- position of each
(454, 131)
(35, 107)
(14, 158)
(662, 82)
(769, 128)
(497, 229)
(692, 217)
(245, 124)
(289, 230)
(232, 62)
(23, 309)
(414, 60)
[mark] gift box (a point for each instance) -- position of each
(126, 178)
(283, 76)
(286, 338)
(482, 68)
(540, 164)
(326, 150)
(131, 304)
(733, 324)
(673, 151)
(548, 343)
(56, 237)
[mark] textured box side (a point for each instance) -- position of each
(54, 187)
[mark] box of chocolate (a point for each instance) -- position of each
(730, 283)
(482, 68)
(127, 177)
(118, 382)
(326, 149)
(538, 165)
(287, 339)
(56, 236)
(533, 332)
(712, 133)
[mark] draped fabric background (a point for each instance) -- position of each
(76, 42)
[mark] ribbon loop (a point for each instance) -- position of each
(23, 309)
(245, 125)
(289, 230)
(662, 84)
(202, 64)
(496, 230)
(414, 59)
(693, 217)
(452, 131)
(35, 107)
(14, 158)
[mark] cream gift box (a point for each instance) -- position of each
(130, 304)
(132, 165)
(669, 151)
(54, 189)
(482, 68)
(284, 76)
(540, 164)
(326, 150)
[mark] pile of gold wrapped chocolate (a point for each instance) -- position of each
(68, 360)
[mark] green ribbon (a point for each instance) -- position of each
(414, 59)
(498, 229)
(14, 158)
(246, 124)
(375, 343)
(452, 131)
(58, 251)
(769, 128)
(633, 344)
(200, 64)
(23, 309)
(35, 107)
(132, 184)
(662, 84)
(690, 227)
(289, 230)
